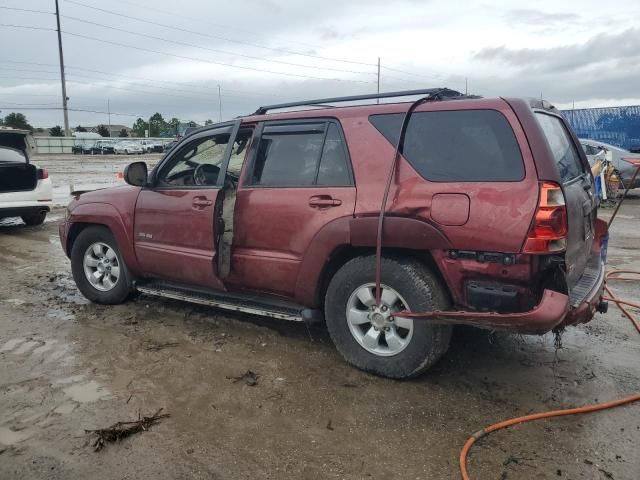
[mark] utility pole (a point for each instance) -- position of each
(109, 113)
(219, 105)
(466, 85)
(378, 99)
(62, 79)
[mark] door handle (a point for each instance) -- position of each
(201, 202)
(324, 201)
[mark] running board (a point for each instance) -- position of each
(236, 303)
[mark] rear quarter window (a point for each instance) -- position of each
(564, 151)
(457, 146)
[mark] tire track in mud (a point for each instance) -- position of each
(60, 395)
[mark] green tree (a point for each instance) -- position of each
(139, 127)
(103, 131)
(80, 129)
(56, 131)
(17, 120)
(123, 133)
(156, 125)
(208, 122)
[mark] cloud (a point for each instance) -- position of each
(538, 18)
(598, 49)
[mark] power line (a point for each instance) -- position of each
(28, 27)
(75, 110)
(184, 57)
(184, 44)
(219, 37)
(26, 10)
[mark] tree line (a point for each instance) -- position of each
(156, 126)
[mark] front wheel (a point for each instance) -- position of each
(369, 336)
(97, 266)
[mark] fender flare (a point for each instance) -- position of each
(107, 215)
(349, 231)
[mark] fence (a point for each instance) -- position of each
(49, 145)
(615, 125)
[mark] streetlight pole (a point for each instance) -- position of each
(378, 99)
(219, 105)
(109, 113)
(62, 78)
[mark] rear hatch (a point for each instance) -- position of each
(578, 189)
(16, 173)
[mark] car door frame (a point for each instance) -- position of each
(152, 180)
(246, 178)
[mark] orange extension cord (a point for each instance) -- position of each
(559, 413)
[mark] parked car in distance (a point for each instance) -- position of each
(103, 147)
(82, 148)
(128, 148)
(169, 145)
(25, 189)
(618, 156)
(151, 146)
(491, 222)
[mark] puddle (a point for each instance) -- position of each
(87, 392)
(58, 314)
(65, 408)
(15, 301)
(11, 344)
(48, 345)
(72, 379)
(26, 346)
(9, 437)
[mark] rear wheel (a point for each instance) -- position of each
(98, 268)
(35, 219)
(369, 336)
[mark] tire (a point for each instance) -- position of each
(418, 290)
(35, 219)
(121, 288)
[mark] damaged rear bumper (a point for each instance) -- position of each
(549, 313)
(554, 310)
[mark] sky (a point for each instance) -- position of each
(135, 57)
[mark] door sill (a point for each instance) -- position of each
(251, 304)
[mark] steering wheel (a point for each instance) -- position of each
(205, 174)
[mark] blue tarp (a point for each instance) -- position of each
(615, 125)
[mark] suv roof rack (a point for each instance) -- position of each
(437, 93)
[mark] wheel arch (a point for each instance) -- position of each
(105, 215)
(346, 238)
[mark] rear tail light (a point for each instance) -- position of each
(548, 232)
(42, 173)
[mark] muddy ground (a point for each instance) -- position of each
(68, 365)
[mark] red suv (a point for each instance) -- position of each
(390, 221)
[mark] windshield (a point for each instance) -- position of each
(11, 155)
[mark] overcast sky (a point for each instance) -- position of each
(270, 51)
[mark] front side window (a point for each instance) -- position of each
(301, 155)
(564, 152)
(457, 146)
(198, 163)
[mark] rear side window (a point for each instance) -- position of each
(457, 146)
(562, 147)
(298, 156)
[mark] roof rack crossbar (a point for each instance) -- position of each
(445, 92)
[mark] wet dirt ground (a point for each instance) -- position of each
(68, 365)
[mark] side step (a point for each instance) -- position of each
(251, 304)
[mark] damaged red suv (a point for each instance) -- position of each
(391, 221)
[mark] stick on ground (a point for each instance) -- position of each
(121, 430)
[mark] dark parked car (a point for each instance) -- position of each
(103, 147)
(82, 148)
(490, 221)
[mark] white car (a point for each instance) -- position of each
(128, 148)
(25, 189)
(617, 156)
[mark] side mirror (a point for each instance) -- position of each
(136, 174)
